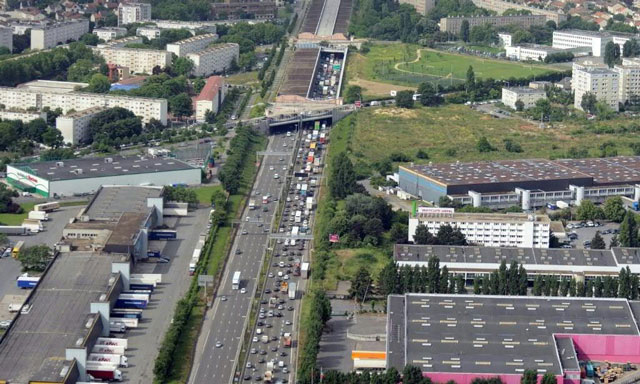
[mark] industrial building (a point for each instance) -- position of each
(453, 24)
(48, 36)
(529, 183)
(215, 59)
(489, 229)
(474, 261)
(528, 96)
(463, 337)
(87, 175)
(192, 44)
(129, 13)
(210, 98)
(51, 337)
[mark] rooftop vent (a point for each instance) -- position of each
(59, 164)
(108, 160)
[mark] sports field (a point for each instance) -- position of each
(410, 65)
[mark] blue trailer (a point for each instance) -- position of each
(635, 206)
(141, 287)
(131, 304)
(27, 282)
(127, 313)
(153, 253)
(163, 234)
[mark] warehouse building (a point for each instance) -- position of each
(475, 261)
(528, 183)
(87, 175)
(488, 229)
(51, 338)
(463, 337)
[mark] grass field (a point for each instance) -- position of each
(409, 65)
(16, 218)
(204, 193)
(244, 78)
(450, 133)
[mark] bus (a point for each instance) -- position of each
(235, 283)
(16, 249)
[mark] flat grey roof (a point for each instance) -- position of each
(495, 334)
(101, 167)
(610, 170)
(523, 90)
(531, 256)
(58, 317)
(112, 201)
(567, 354)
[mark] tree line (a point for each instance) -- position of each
(240, 150)
(319, 314)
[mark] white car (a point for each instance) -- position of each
(243, 290)
(286, 277)
(271, 168)
(288, 322)
(276, 176)
(218, 344)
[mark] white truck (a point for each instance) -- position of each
(38, 215)
(121, 360)
(292, 291)
(252, 204)
(34, 226)
(108, 349)
(113, 341)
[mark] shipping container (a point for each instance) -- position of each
(14, 230)
(27, 282)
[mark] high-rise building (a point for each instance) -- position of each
(210, 98)
(453, 24)
(6, 37)
(133, 13)
(215, 59)
(137, 60)
(596, 79)
(629, 79)
(48, 36)
(192, 44)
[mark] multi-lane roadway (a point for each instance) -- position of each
(218, 347)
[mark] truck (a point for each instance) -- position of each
(121, 360)
(273, 302)
(157, 277)
(27, 282)
(104, 371)
(127, 321)
(309, 205)
(113, 341)
(265, 199)
(284, 287)
(163, 234)
(38, 215)
(192, 266)
(131, 313)
(117, 328)
(15, 251)
(252, 204)
(298, 218)
(286, 340)
(268, 376)
(304, 270)
(109, 349)
(235, 283)
(47, 207)
(294, 231)
(139, 301)
(142, 284)
(635, 206)
(292, 291)
(34, 226)
(14, 230)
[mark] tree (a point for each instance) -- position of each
(611, 54)
(588, 211)
(181, 105)
(342, 180)
(519, 105)
(483, 145)
(404, 99)
(399, 233)
(412, 375)
(529, 376)
(388, 279)
(114, 123)
(631, 48)
(360, 284)
(429, 95)
(470, 83)
(614, 209)
(183, 66)
(99, 83)
(628, 236)
(448, 235)
(588, 102)
(35, 258)
(422, 235)
(52, 137)
(352, 94)
(548, 378)
(598, 242)
(464, 31)
(614, 242)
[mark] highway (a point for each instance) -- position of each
(328, 18)
(218, 346)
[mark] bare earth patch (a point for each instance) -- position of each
(397, 112)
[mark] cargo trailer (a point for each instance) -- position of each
(121, 360)
(38, 215)
(27, 282)
(14, 230)
(104, 371)
(110, 349)
(132, 313)
(163, 234)
(47, 207)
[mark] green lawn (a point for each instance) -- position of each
(244, 78)
(16, 218)
(399, 64)
(204, 193)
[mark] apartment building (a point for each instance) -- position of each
(210, 98)
(25, 98)
(453, 24)
(215, 59)
(528, 96)
(629, 79)
(121, 43)
(133, 13)
(574, 38)
(48, 36)
(109, 33)
(22, 115)
(192, 44)
(261, 10)
(421, 6)
(488, 229)
(137, 60)
(193, 26)
(532, 52)
(597, 79)
(505, 39)
(502, 5)
(148, 32)
(6, 37)
(74, 127)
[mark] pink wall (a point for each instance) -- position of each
(614, 348)
(467, 378)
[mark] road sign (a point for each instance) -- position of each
(204, 280)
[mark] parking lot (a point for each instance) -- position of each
(586, 233)
(274, 338)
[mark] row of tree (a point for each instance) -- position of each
(14, 134)
(447, 235)
(319, 314)
(238, 154)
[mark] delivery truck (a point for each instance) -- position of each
(252, 204)
(14, 230)
(103, 371)
(34, 226)
(38, 215)
(132, 313)
(117, 327)
(121, 360)
(109, 349)
(47, 207)
(292, 291)
(115, 341)
(27, 282)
